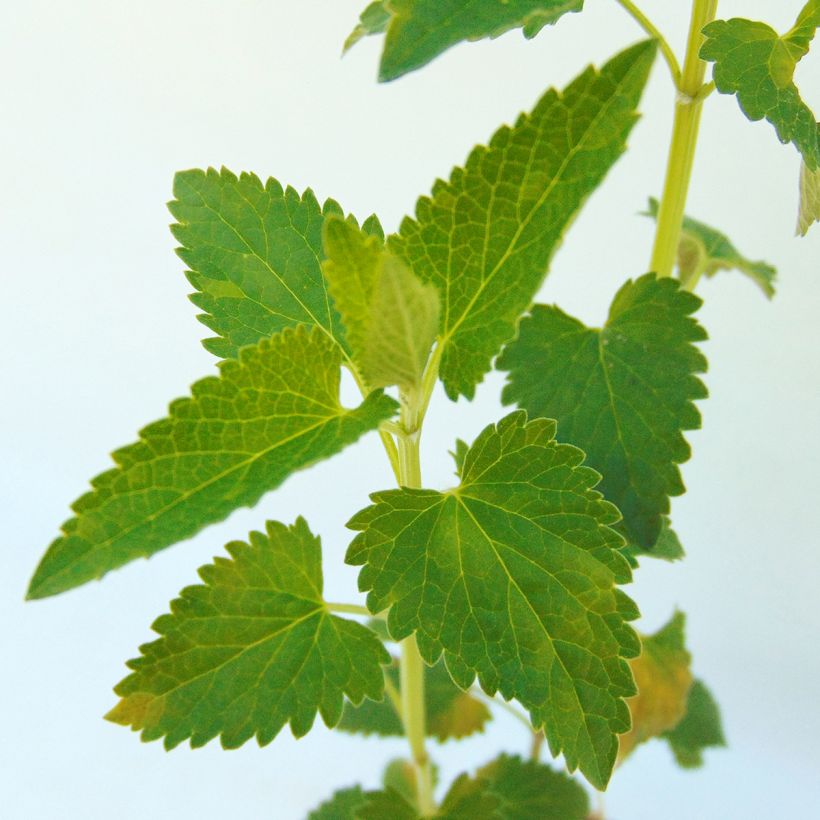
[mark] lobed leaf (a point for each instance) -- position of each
(700, 728)
(273, 411)
(704, 250)
(623, 393)
(417, 31)
(756, 64)
(485, 238)
(512, 576)
(251, 649)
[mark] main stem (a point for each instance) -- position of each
(684, 140)
(413, 707)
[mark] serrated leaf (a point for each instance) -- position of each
(527, 789)
(667, 548)
(341, 806)
(451, 712)
(756, 64)
(420, 30)
(386, 805)
(391, 318)
(809, 212)
(467, 798)
(704, 250)
(700, 728)
(664, 679)
(252, 648)
(486, 237)
(254, 251)
(512, 576)
(623, 393)
(239, 435)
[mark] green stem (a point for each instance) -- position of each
(351, 609)
(537, 743)
(649, 27)
(684, 141)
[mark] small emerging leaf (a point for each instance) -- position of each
(512, 576)
(623, 393)
(373, 20)
(809, 199)
(756, 64)
(240, 434)
(486, 237)
(250, 649)
(700, 728)
(704, 250)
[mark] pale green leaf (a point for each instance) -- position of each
(239, 435)
(391, 318)
(663, 676)
(451, 712)
(756, 64)
(467, 798)
(250, 649)
(700, 728)
(341, 806)
(420, 30)
(486, 237)
(512, 575)
(254, 251)
(704, 250)
(809, 199)
(622, 393)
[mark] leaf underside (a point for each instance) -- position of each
(273, 411)
(251, 649)
(623, 393)
(485, 237)
(512, 576)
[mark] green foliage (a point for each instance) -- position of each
(809, 199)
(518, 555)
(273, 411)
(705, 251)
(700, 728)
(622, 393)
(250, 649)
(451, 712)
(486, 237)
(667, 547)
(757, 64)
(391, 318)
(341, 806)
(417, 31)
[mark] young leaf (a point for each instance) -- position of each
(664, 679)
(251, 649)
(756, 64)
(512, 576)
(527, 789)
(391, 318)
(809, 199)
(239, 435)
(622, 393)
(341, 806)
(254, 253)
(451, 712)
(486, 237)
(704, 250)
(420, 30)
(700, 728)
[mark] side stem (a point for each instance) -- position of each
(684, 141)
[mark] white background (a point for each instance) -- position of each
(101, 102)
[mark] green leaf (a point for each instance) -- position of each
(420, 30)
(512, 575)
(809, 199)
(622, 393)
(468, 798)
(756, 64)
(700, 728)
(486, 237)
(667, 548)
(390, 316)
(254, 253)
(251, 649)
(239, 435)
(451, 712)
(704, 250)
(386, 805)
(341, 806)
(664, 679)
(524, 790)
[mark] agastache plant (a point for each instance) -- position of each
(508, 587)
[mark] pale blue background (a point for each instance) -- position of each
(101, 102)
